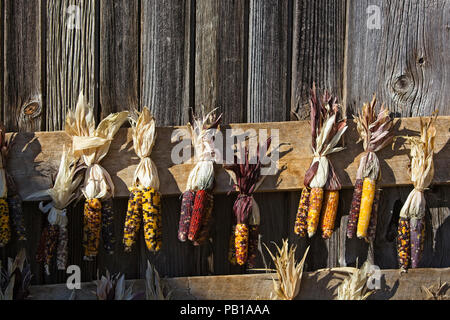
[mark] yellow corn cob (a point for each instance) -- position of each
(133, 219)
(367, 198)
(151, 201)
(329, 208)
(315, 206)
(5, 228)
(241, 243)
(92, 227)
(302, 214)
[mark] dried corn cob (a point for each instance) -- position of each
(61, 252)
(374, 217)
(108, 234)
(203, 235)
(200, 204)
(241, 243)
(253, 242)
(133, 219)
(367, 198)
(40, 254)
(92, 227)
(354, 211)
(301, 225)
(232, 247)
(315, 207)
(417, 235)
(403, 243)
(5, 228)
(16, 214)
(329, 208)
(50, 246)
(187, 205)
(151, 209)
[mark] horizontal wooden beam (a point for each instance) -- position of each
(318, 285)
(34, 158)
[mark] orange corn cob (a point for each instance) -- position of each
(301, 225)
(315, 206)
(367, 198)
(329, 208)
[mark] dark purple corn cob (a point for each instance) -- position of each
(417, 241)
(403, 243)
(187, 205)
(372, 232)
(108, 234)
(253, 246)
(354, 210)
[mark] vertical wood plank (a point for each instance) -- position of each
(71, 41)
(119, 55)
(317, 56)
(23, 103)
(163, 64)
(405, 62)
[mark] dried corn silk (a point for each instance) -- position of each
(91, 228)
(354, 210)
(16, 216)
(108, 233)
(5, 228)
(241, 243)
(200, 205)
(203, 235)
(301, 224)
(403, 243)
(417, 241)
(253, 242)
(187, 206)
(132, 219)
(329, 209)
(232, 247)
(62, 252)
(151, 209)
(372, 232)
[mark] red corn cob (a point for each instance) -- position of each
(403, 243)
(354, 211)
(187, 205)
(417, 241)
(40, 255)
(200, 203)
(301, 224)
(253, 245)
(206, 222)
(372, 232)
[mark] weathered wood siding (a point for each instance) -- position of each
(253, 59)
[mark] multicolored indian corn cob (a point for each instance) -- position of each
(253, 241)
(329, 212)
(367, 199)
(51, 245)
(108, 234)
(301, 224)
(151, 209)
(232, 247)
(92, 228)
(417, 241)
(354, 210)
(200, 205)
(315, 207)
(372, 232)
(132, 219)
(203, 234)
(241, 235)
(5, 228)
(403, 243)
(16, 214)
(61, 251)
(187, 206)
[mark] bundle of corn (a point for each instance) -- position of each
(375, 133)
(197, 200)
(92, 145)
(15, 281)
(288, 270)
(55, 235)
(154, 288)
(247, 178)
(354, 287)
(327, 131)
(113, 287)
(411, 229)
(436, 291)
(10, 201)
(145, 200)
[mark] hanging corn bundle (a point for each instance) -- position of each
(54, 237)
(11, 212)
(322, 185)
(411, 230)
(247, 178)
(92, 145)
(375, 133)
(145, 200)
(197, 201)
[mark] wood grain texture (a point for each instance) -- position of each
(71, 41)
(119, 55)
(163, 64)
(23, 99)
(319, 285)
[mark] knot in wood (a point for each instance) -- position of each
(31, 110)
(402, 84)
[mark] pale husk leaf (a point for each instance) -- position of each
(354, 287)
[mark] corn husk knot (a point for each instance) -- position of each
(327, 130)
(203, 131)
(92, 144)
(144, 136)
(375, 133)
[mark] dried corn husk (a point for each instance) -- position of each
(288, 270)
(354, 287)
